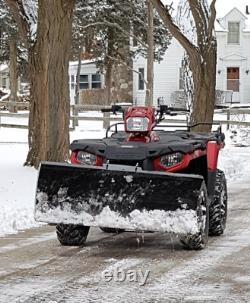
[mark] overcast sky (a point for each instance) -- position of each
(222, 6)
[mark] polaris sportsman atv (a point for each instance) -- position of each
(144, 178)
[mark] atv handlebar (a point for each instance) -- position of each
(113, 109)
(163, 109)
(167, 110)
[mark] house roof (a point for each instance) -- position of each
(84, 62)
(223, 6)
(235, 8)
(233, 56)
(219, 27)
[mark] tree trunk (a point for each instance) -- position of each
(13, 75)
(202, 57)
(48, 65)
(38, 117)
(77, 86)
(108, 76)
(150, 55)
(204, 76)
(108, 93)
(78, 72)
(108, 83)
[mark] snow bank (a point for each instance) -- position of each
(239, 136)
(14, 219)
(17, 189)
(18, 183)
(234, 158)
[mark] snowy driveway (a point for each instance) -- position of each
(34, 268)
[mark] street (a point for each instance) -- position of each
(35, 268)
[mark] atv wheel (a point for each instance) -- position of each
(218, 207)
(112, 230)
(199, 240)
(72, 235)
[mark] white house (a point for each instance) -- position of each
(4, 76)
(92, 83)
(167, 77)
(233, 64)
(90, 78)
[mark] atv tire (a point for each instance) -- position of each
(72, 235)
(112, 230)
(218, 207)
(199, 240)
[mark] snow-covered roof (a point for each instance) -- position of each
(218, 26)
(84, 62)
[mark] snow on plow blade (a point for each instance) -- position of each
(95, 196)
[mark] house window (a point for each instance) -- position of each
(72, 81)
(181, 78)
(4, 82)
(233, 79)
(96, 81)
(141, 83)
(84, 82)
(233, 33)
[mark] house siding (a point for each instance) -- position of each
(234, 55)
(122, 84)
(166, 74)
(86, 69)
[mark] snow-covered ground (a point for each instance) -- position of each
(17, 183)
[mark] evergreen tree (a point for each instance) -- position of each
(115, 32)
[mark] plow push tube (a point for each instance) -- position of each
(134, 200)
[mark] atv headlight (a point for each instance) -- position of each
(137, 124)
(171, 159)
(86, 158)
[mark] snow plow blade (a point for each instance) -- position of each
(117, 198)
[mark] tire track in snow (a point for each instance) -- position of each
(27, 242)
(177, 284)
(186, 279)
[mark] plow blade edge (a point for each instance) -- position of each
(95, 196)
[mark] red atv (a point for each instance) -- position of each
(144, 178)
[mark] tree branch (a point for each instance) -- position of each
(17, 10)
(212, 18)
(115, 25)
(164, 13)
(201, 20)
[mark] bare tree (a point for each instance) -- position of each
(150, 55)
(13, 73)
(202, 56)
(48, 52)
